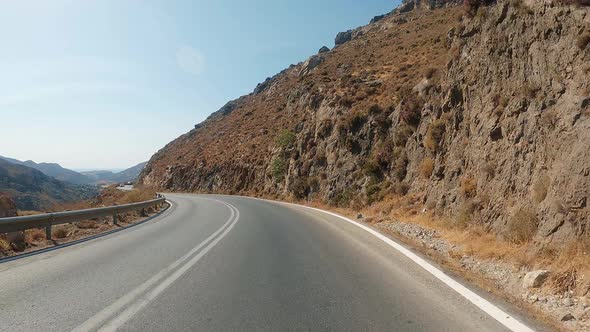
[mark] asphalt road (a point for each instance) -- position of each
(216, 263)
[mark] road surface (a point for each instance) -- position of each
(219, 263)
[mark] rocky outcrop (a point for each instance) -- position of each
(343, 37)
(7, 207)
(485, 121)
(310, 64)
(323, 49)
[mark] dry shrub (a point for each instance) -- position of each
(401, 188)
(434, 135)
(468, 187)
(541, 188)
(522, 226)
(402, 135)
(564, 281)
(569, 266)
(465, 214)
(60, 232)
(426, 167)
(400, 164)
(411, 108)
(34, 235)
(489, 169)
(87, 224)
(550, 118)
(429, 73)
(4, 245)
(355, 121)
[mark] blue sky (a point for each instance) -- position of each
(105, 84)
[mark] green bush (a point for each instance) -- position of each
(371, 168)
(355, 121)
(286, 139)
(278, 168)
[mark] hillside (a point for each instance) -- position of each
(108, 177)
(482, 115)
(53, 170)
(33, 190)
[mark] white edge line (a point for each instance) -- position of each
(109, 311)
(492, 310)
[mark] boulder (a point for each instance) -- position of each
(535, 279)
(343, 37)
(324, 49)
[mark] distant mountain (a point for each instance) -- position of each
(33, 190)
(89, 177)
(54, 170)
(129, 174)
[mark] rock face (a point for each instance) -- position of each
(496, 136)
(535, 279)
(324, 49)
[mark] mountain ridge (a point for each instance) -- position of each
(60, 173)
(31, 189)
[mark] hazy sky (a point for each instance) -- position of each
(106, 83)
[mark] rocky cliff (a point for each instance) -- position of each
(481, 112)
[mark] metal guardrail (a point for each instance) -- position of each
(14, 224)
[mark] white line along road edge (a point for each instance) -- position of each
(132, 302)
(498, 314)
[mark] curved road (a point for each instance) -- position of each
(219, 263)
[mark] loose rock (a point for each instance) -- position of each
(535, 279)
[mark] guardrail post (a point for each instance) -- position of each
(115, 222)
(48, 232)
